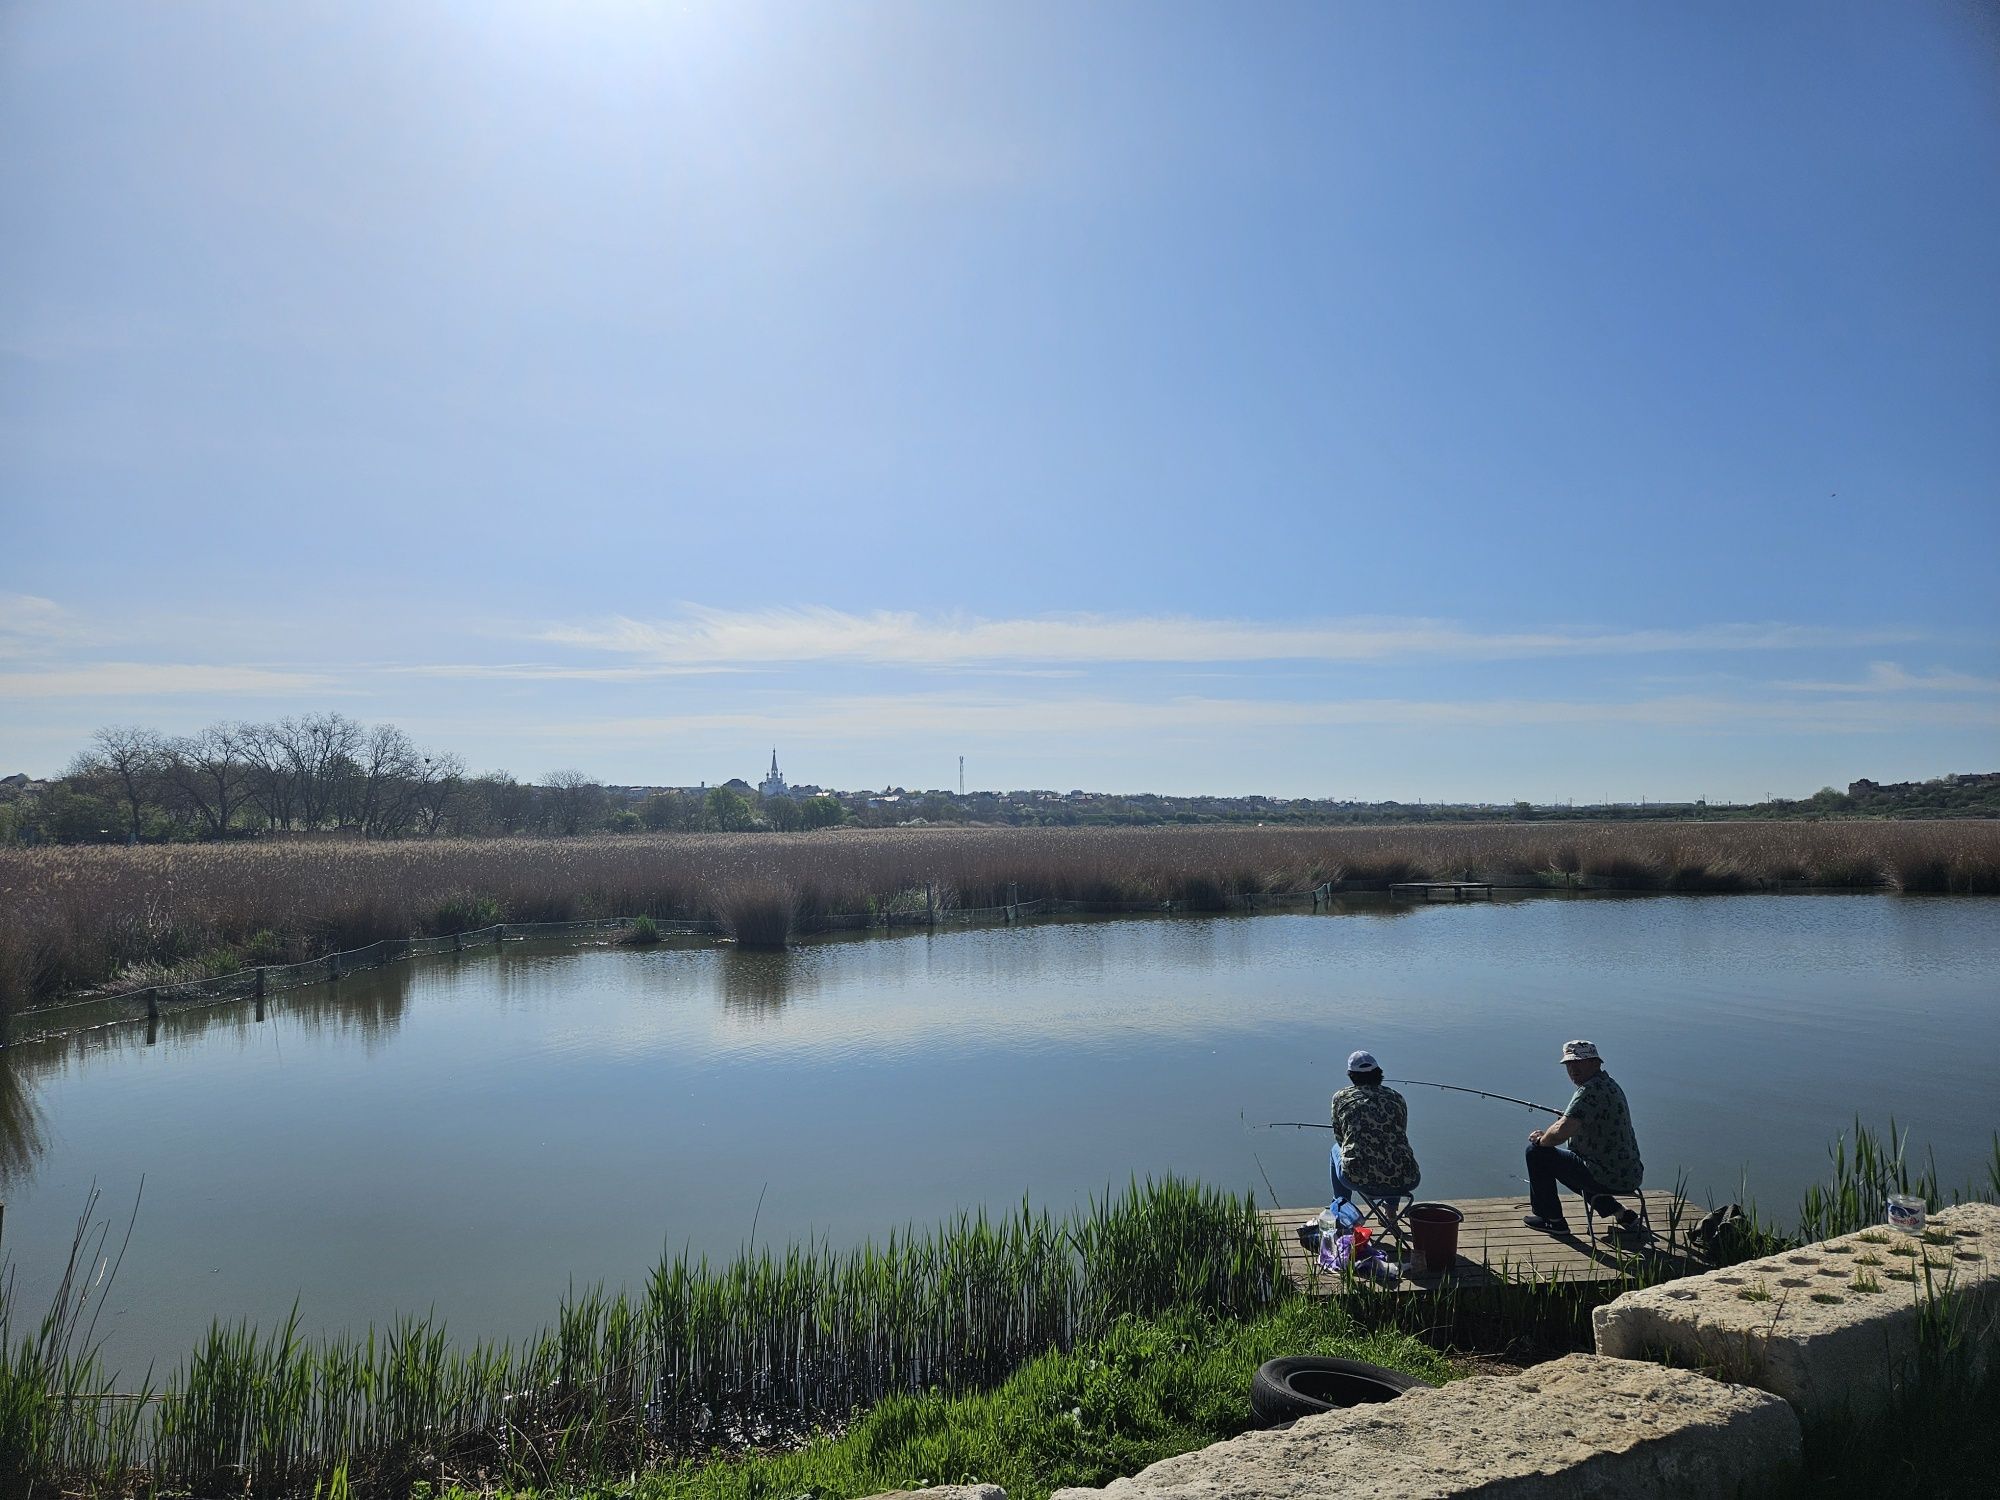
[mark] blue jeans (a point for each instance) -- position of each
(1549, 1165)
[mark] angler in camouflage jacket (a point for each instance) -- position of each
(1371, 1134)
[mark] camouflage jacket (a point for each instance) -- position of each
(1372, 1126)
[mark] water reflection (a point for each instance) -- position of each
(370, 1006)
(20, 1120)
(756, 986)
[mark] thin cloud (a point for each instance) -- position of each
(1888, 677)
(131, 679)
(877, 717)
(885, 637)
(31, 625)
(556, 672)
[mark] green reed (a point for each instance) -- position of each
(1866, 1168)
(765, 1347)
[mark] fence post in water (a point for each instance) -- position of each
(152, 1006)
(458, 942)
(333, 966)
(930, 905)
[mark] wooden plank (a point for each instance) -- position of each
(1494, 1245)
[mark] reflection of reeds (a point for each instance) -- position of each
(763, 1348)
(20, 1120)
(76, 917)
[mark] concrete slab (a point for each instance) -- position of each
(1832, 1327)
(1577, 1428)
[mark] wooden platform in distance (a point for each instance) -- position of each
(1494, 1245)
(1442, 890)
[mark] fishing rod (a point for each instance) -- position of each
(1457, 1088)
(1294, 1124)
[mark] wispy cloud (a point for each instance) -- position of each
(884, 637)
(875, 717)
(131, 679)
(32, 626)
(1888, 677)
(528, 671)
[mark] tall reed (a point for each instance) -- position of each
(765, 1347)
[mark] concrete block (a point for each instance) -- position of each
(1832, 1327)
(1578, 1428)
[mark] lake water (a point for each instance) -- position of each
(472, 1135)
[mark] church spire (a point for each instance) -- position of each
(774, 762)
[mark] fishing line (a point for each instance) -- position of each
(1259, 1160)
(1458, 1088)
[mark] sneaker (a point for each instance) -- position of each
(1547, 1226)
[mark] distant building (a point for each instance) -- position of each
(773, 785)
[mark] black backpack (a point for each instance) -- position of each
(1724, 1234)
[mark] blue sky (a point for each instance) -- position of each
(1420, 401)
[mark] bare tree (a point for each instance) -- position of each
(443, 782)
(210, 774)
(130, 758)
(320, 749)
(272, 772)
(573, 800)
(495, 803)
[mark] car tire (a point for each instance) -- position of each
(1284, 1390)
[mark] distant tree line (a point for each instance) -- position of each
(327, 774)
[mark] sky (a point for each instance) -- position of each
(1439, 402)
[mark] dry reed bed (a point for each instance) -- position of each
(73, 918)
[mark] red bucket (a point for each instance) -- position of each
(1434, 1233)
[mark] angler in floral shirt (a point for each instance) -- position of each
(1589, 1148)
(1371, 1134)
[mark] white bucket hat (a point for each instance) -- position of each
(1580, 1052)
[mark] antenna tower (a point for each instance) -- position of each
(961, 776)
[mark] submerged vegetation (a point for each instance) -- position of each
(76, 918)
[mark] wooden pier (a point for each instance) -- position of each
(1495, 1246)
(1442, 890)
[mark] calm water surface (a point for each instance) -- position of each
(473, 1135)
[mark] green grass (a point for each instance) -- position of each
(763, 1348)
(1146, 1391)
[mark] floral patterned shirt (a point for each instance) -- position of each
(1372, 1126)
(1603, 1136)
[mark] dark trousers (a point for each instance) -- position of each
(1549, 1165)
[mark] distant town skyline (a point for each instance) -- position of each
(1456, 403)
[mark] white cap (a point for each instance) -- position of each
(1362, 1062)
(1580, 1052)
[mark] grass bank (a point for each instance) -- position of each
(1149, 1389)
(76, 918)
(758, 1351)
(1029, 1351)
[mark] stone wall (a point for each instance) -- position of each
(1581, 1426)
(1832, 1327)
